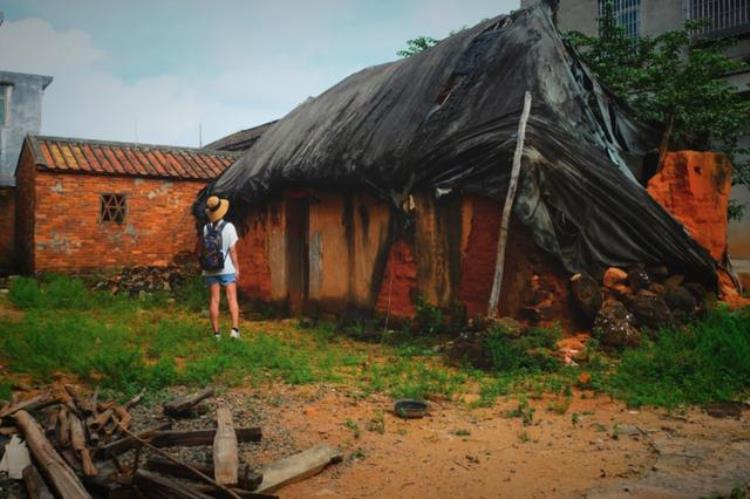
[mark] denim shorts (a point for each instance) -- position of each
(223, 279)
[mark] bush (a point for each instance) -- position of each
(530, 352)
(703, 362)
(54, 292)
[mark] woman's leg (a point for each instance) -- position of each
(234, 309)
(213, 305)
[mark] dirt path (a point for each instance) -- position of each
(461, 452)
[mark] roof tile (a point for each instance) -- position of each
(122, 158)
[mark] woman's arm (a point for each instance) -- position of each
(235, 261)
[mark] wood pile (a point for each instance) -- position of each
(78, 447)
(147, 279)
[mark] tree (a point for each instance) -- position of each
(676, 80)
(417, 45)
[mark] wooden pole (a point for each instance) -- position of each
(507, 208)
(58, 473)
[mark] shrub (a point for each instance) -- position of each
(54, 292)
(703, 362)
(530, 352)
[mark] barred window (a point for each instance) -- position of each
(721, 17)
(113, 208)
(626, 14)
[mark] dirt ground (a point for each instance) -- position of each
(456, 451)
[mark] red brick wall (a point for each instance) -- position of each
(25, 200)
(397, 292)
(68, 234)
(252, 253)
(7, 227)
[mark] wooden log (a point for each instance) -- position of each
(63, 428)
(154, 486)
(59, 475)
(78, 442)
(82, 404)
(101, 420)
(207, 479)
(226, 460)
(30, 404)
(192, 438)
(183, 406)
(123, 416)
(35, 486)
(125, 444)
(510, 196)
(297, 467)
(248, 480)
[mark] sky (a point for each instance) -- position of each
(173, 71)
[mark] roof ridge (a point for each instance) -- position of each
(139, 145)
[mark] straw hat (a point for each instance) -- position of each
(216, 208)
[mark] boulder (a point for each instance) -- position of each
(649, 309)
(614, 276)
(614, 326)
(587, 295)
(681, 302)
(638, 279)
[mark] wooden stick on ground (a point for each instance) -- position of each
(297, 467)
(35, 485)
(59, 474)
(30, 404)
(78, 442)
(197, 473)
(125, 444)
(184, 405)
(155, 486)
(497, 282)
(226, 460)
(135, 400)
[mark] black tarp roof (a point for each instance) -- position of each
(445, 120)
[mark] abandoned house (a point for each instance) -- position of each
(87, 204)
(388, 188)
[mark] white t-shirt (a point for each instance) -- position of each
(228, 239)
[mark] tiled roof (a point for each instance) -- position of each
(242, 140)
(127, 159)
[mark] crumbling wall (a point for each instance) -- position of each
(7, 227)
(694, 186)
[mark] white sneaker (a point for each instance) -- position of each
(217, 336)
(235, 333)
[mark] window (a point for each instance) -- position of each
(113, 208)
(721, 17)
(626, 14)
(4, 103)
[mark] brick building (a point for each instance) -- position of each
(85, 204)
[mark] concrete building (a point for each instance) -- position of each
(654, 17)
(20, 114)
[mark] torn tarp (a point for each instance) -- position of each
(445, 120)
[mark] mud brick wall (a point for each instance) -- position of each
(260, 253)
(7, 227)
(68, 235)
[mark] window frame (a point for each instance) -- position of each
(113, 208)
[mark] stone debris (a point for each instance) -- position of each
(148, 279)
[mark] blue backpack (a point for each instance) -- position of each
(212, 255)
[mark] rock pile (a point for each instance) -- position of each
(626, 302)
(134, 280)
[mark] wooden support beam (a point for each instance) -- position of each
(58, 473)
(510, 196)
(125, 444)
(183, 406)
(226, 459)
(297, 467)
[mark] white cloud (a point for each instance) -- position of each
(85, 100)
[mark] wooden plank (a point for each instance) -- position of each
(510, 196)
(154, 486)
(248, 480)
(297, 467)
(58, 473)
(125, 444)
(183, 406)
(35, 486)
(226, 460)
(194, 438)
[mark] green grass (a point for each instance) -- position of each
(705, 361)
(124, 344)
